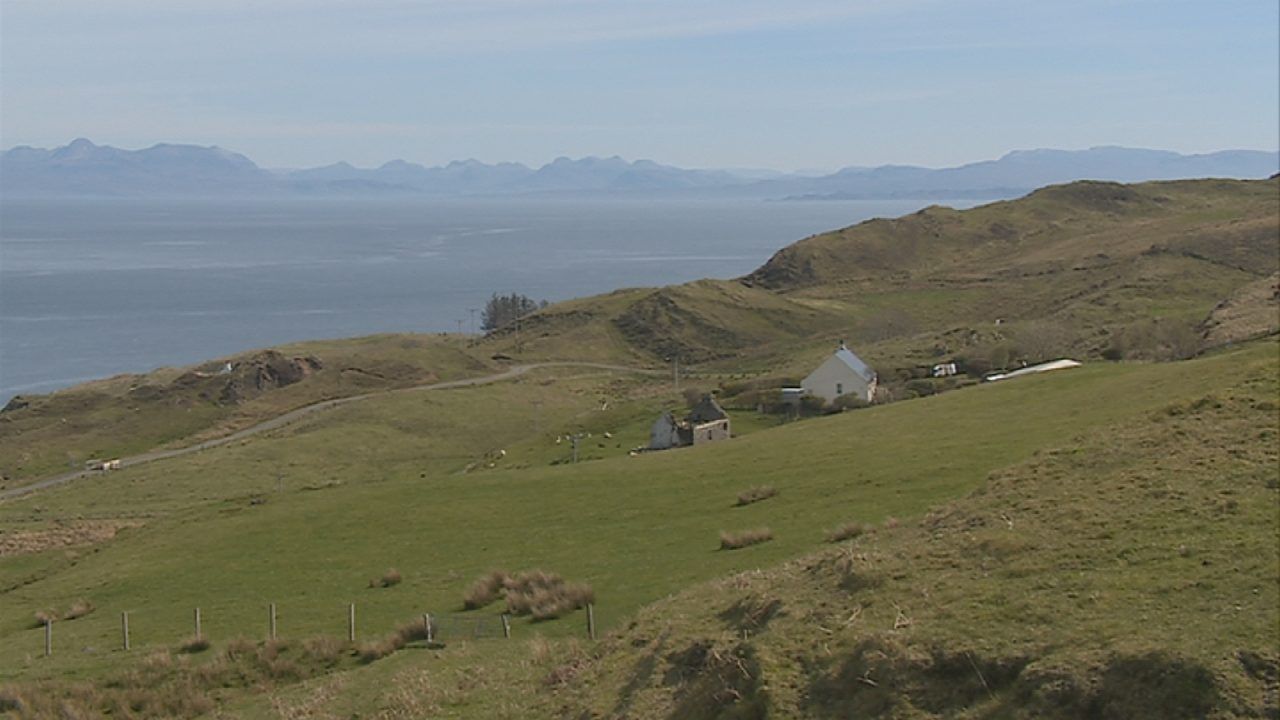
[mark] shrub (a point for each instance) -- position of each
(846, 531)
(734, 541)
(756, 494)
(921, 388)
(485, 589)
(850, 402)
(391, 577)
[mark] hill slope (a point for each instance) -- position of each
(1129, 573)
(1085, 269)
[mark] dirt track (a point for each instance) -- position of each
(294, 415)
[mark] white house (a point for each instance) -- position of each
(844, 373)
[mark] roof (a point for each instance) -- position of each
(855, 364)
(1061, 364)
(707, 410)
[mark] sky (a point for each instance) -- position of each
(782, 84)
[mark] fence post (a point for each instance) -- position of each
(591, 621)
(124, 628)
(351, 622)
(197, 615)
(431, 631)
(271, 612)
(48, 637)
(506, 626)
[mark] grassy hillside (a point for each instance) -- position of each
(1087, 269)
(1128, 572)
(637, 529)
(127, 414)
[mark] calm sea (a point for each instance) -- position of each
(90, 289)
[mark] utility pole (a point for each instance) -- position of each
(518, 347)
(459, 326)
(574, 438)
(473, 319)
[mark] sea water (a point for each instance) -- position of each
(92, 288)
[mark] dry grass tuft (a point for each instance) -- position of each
(377, 649)
(412, 631)
(485, 589)
(323, 650)
(847, 531)
(239, 647)
(756, 494)
(545, 596)
(538, 594)
(78, 609)
(744, 538)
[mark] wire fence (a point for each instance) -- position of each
(92, 633)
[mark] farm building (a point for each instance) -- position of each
(844, 373)
(706, 422)
(1060, 364)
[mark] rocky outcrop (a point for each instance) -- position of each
(237, 381)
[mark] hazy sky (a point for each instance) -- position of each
(748, 83)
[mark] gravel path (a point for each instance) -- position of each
(294, 415)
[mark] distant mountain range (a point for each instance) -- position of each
(85, 169)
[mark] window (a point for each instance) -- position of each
(839, 388)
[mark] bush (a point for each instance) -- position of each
(734, 541)
(756, 494)
(485, 589)
(846, 531)
(812, 405)
(921, 388)
(850, 402)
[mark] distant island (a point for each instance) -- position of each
(85, 169)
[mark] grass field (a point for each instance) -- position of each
(637, 529)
